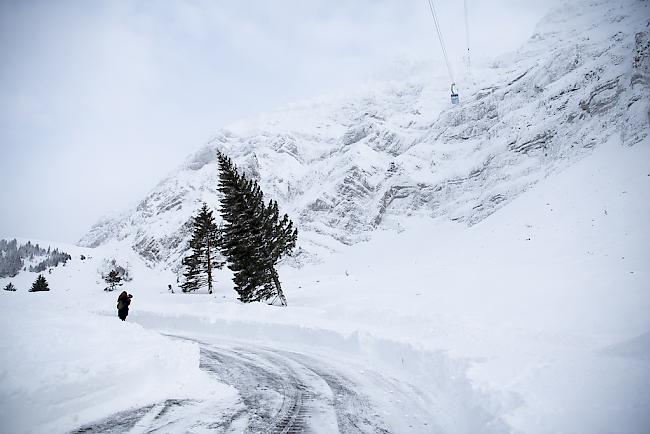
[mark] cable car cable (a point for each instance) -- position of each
(469, 64)
(441, 39)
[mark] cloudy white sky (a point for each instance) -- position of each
(100, 99)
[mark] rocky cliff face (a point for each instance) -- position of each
(344, 167)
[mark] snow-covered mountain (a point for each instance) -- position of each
(343, 167)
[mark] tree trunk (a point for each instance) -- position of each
(278, 287)
(209, 267)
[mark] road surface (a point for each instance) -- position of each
(280, 392)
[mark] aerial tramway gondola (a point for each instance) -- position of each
(455, 99)
(454, 94)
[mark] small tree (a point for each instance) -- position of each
(40, 284)
(192, 274)
(10, 287)
(121, 271)
(113, 279)
(203, 257)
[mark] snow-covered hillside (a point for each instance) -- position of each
(503, 285)
(345, 166)
(65, 360)
(533, 320)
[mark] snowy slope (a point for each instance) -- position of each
(66, 360)
(345, 166)
(530, 317)
(545, 301)
(533, 320)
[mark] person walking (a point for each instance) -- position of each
(123, 302)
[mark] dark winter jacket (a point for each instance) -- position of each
(123, 301)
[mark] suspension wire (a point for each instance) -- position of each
(442, 40)
(469, 63)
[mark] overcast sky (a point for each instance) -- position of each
(100, 99)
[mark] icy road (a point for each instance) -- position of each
(282, 392)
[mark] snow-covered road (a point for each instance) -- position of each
(289, 392)
(281, 392)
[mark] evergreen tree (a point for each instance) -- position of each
(113, 279)
(254, 238)
(278, 239)
(11, 255)
(193, 277)
(10, 287)
(40, 284)
(202, 260)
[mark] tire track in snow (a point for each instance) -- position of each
(281, 392)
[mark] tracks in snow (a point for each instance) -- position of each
(286, 392)
(281, 392)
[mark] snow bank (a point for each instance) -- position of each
(438, 382)
(61, 367)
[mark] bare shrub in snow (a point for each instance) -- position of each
(114, 273)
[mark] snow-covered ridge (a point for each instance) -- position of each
(346, 167)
